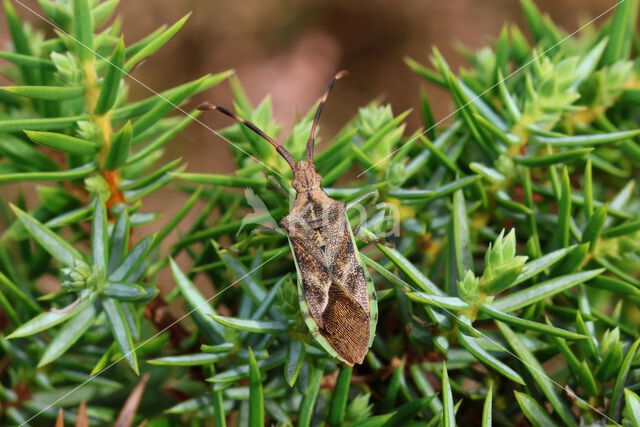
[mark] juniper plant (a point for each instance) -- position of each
(508, 292)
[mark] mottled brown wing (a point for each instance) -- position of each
(347, 314)
(346, 268)
(316, 277)
(333, 281)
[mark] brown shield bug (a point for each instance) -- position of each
(337, 297)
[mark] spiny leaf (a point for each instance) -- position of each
(139, 108)
(447, 399)
(51, 242)
(594, 226)
(535, 369)
(564, 210)
(424, 72)
(184, 210)
(489, 173)
(125, 291)
(14, 290)
(52, 93)
(429, 195)
(15, 125)
(472, 346)
(256, 399)
(449, 303)
(155, 44)
(487, 409)
(551, 159)
(295, 358)
(543, 290)
(119, 149)
(623, 229)
(507, 98)
(99, 238)
(53, 317)
(21, 43)
(197, 359)
(490, 311)
(537, 266)
(257, 326)
(133, 259)
(120, 330)
(103, 11)
(612, 284)
(586, 140)
(223, 180)
(615, 407)
(111, 81)
(70, 174)
(533, 411)
(424, 386)
(403, 414)
(620, 32)
(62, 142)
(83, 30)
(460, 234)
(309, 398)
(28, 61)
(394, 388)
(162, 140)
(633, 406)
(536, 21)
(167, 104)
(201, 308)
(340, 397)
(219, 348)
(69, 334)
(410, 270)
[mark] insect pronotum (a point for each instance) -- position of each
(337, 298)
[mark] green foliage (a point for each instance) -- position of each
(503, 245)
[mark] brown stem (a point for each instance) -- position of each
(157, 311)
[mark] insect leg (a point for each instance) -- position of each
(368, 197)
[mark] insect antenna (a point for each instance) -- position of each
(312, 135)
(279, 148)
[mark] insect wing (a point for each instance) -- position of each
(347, 275)
(371, 290)
(309, 320)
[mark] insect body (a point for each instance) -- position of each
(337, 298)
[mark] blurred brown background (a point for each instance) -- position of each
(290, 49)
